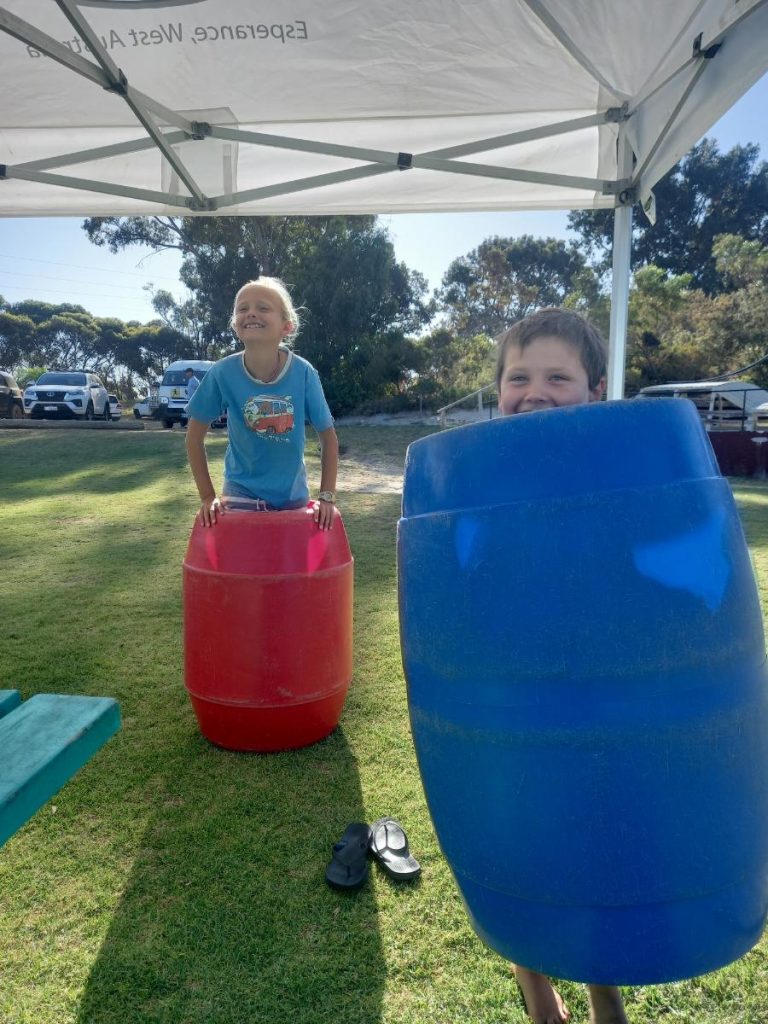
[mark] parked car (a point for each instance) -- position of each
(173, 389)
(115, 408)
(173, 392)
(11, 398)
(146, 407)
(68, 394)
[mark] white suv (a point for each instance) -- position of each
(69, 394)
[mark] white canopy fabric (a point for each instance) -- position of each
(348, 106)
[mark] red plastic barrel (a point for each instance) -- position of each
(267, 628)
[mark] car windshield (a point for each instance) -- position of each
(70, 379)
(178, 378)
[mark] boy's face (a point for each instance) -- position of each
(546, 374)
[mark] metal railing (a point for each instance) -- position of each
(718, 410)
(441, 413)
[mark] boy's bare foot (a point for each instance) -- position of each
(543, 1002)
(606, 1005)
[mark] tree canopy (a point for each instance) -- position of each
(503, 279)
(39, 334)
(707, 194)
(678, 332)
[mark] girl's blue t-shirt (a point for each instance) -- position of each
(265, 454)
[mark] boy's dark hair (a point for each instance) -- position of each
(557, 323)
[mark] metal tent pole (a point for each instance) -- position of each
(622, 258)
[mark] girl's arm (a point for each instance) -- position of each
(329, 467)
(198, 463)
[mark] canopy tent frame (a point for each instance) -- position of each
(108, 76)
(165, 128)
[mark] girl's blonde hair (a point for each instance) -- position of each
(275, 285)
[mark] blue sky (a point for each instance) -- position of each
(51, 258)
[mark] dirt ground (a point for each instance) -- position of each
(369, 475)
(364, 474)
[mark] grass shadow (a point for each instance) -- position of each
(226, 915)
(109, 463)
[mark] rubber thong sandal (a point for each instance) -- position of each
(348, 868)
(389, 845)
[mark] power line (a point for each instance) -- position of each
(735, 373)
(86, 289)
(73, 280)
(79, 266)
(123, 300)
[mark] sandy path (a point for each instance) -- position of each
(369, 475)
(362, 475)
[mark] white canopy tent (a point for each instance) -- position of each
(201, 107)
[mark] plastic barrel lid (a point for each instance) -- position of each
(565, 452)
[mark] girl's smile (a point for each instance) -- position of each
(259, 315)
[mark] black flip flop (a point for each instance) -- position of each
(389, 845)
(348, 868)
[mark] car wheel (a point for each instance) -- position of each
(89, 412)
(168, 424)
(17, 413)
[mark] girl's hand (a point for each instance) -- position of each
(323, 514)
(209, 509)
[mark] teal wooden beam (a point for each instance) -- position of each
(43, 743)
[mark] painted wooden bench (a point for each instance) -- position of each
(44, 741)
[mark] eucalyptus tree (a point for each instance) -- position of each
(707, 194)
(504, 279)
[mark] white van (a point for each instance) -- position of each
(173, 389)
(722, 405)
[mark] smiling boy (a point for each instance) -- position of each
(551, 359)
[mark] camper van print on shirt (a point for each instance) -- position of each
(269, 416)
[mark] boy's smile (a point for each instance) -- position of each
(546, 374)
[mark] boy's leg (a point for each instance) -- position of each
(543, 1002)
(606, 1005)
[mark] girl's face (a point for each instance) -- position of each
(259, 316)
(546, 374)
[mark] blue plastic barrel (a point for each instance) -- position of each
(587, 685)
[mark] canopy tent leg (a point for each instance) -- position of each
(617, 345)
(622, 261)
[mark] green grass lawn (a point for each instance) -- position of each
(175, 883)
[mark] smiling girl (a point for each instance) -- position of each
(268, 392)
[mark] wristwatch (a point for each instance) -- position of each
(329, 496)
